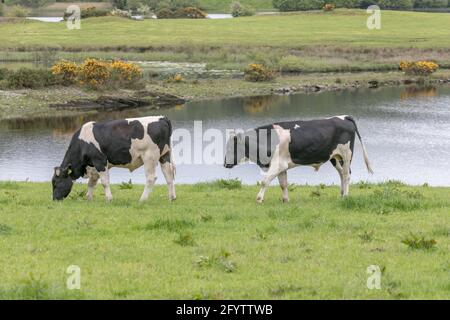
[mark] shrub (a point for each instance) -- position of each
(124, 74)
(25, 78)
(28, 3)
(258, 72)
(3, 73)
(177, 78)
(328, 7)
(144, 10)
(133, 5)
(431, 3)
(96, 73)
(90, 12)
(239, 10)
(422, 68)
(66, 72)
(190, 13)
(165, 13)
(119, 4)
(121, 13)
(298, 5)
(396, 4)
(181, 13)
(93, 12)
(172, 4)
(18, 11)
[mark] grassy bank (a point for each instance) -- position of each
(204, 246)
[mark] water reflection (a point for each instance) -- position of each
(261, 104)
(418, 92)
(407, 134)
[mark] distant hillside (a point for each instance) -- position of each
(224, 5)
(57, 9)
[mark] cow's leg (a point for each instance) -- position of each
(104, 178)
(346, 177)
(168, 170)
(150, 163)
(282, 178)
(93, 179)
(276, 167)
(338, 163)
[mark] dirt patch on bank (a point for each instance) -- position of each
(118, 103)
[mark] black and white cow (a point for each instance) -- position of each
(279, 147)
(129, 143)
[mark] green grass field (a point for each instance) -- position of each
(300, 42)
(340, 28)
(215, 242)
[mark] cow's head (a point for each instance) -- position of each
(235, 150)
(62, 183)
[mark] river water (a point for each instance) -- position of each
(406, 132)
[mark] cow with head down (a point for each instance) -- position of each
(130, 143)
(278, 147)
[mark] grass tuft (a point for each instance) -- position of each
(220, 184)
(5, 229)
(414, 241)
(387, 200)
(367, 236)
(219, 261)
(126, 185)
(185, 239)
(170, 225)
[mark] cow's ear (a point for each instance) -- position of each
(57, 171)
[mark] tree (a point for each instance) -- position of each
(119, 4)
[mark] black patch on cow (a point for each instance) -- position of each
(312, 142)
(114, 138)
(160, 132)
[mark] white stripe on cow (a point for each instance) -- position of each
(87, 134)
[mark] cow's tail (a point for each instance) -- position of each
(366, 157)
(172, 162)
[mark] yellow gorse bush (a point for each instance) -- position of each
(95, 73)
(257, 72)
(423, 68)
(67, 71)
(128, 71)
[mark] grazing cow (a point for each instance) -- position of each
(129, 143)
(279, 147)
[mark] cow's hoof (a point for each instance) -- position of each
(172, 199)
(259, 200)
(109, 200)
(285, 200)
